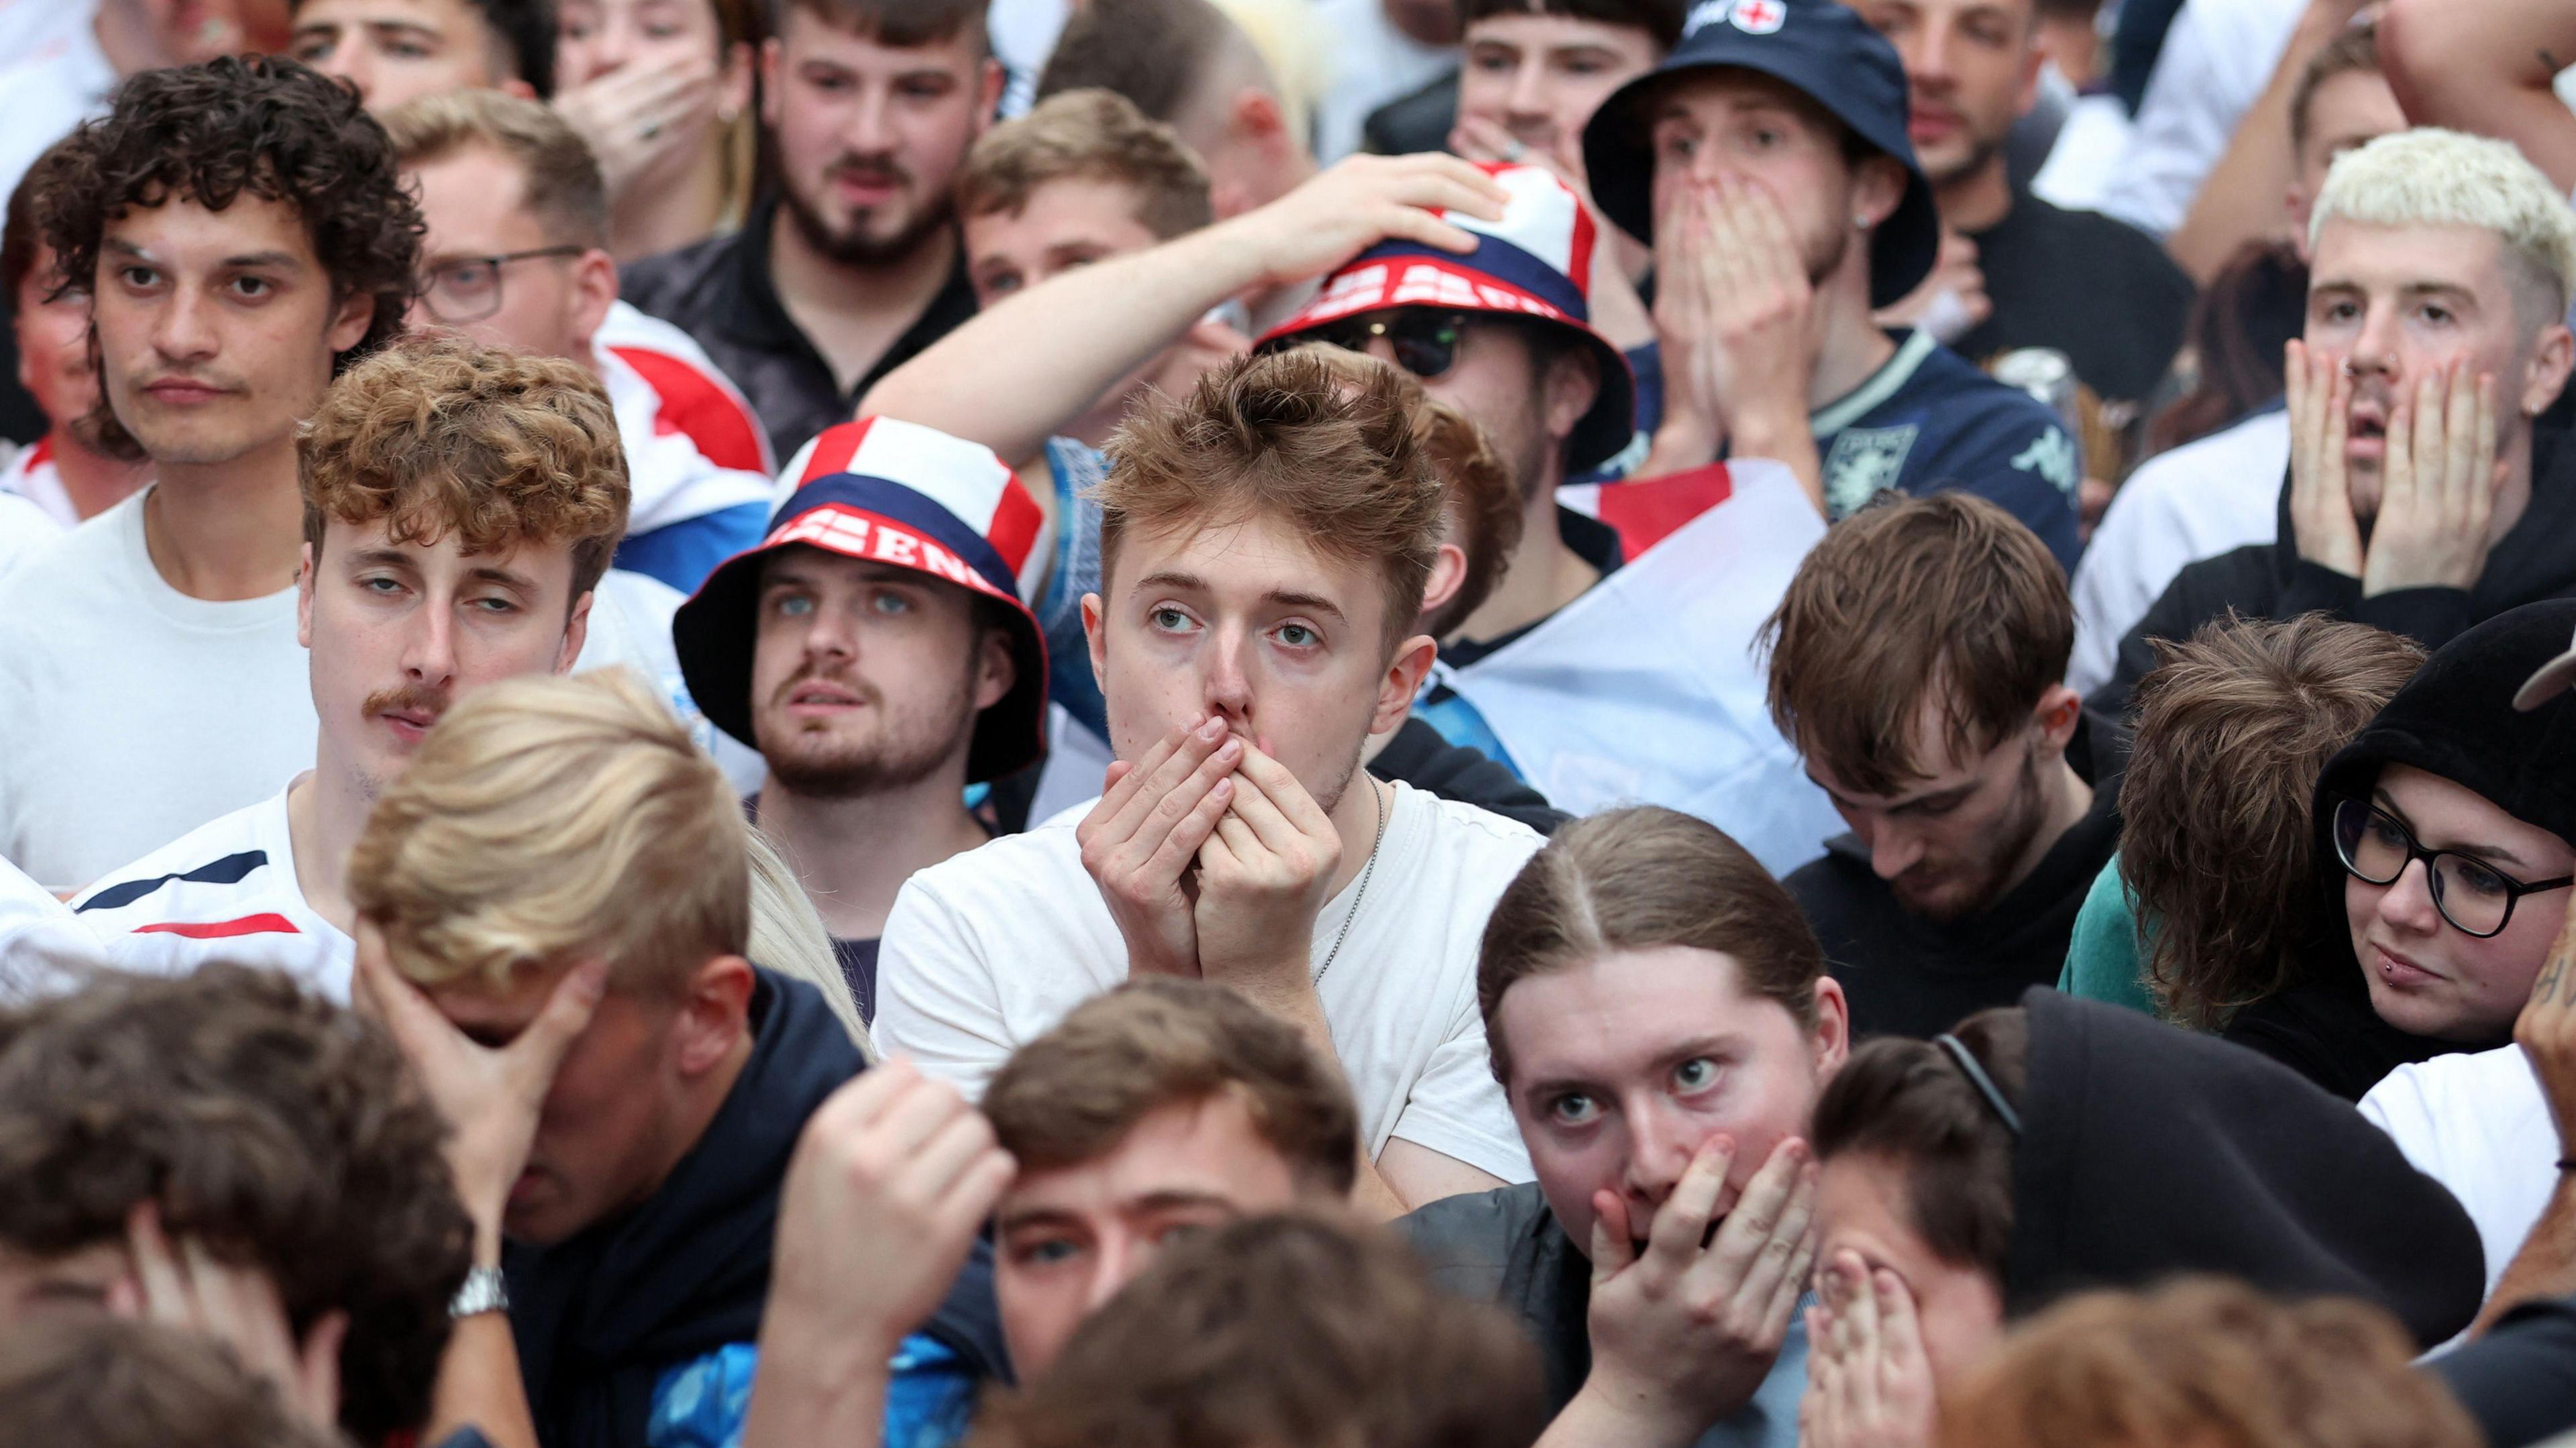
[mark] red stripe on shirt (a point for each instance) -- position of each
(262, 924)
(713, 416)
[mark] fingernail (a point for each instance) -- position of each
(1213, 729)
(1230, 749)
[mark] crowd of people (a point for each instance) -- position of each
(1288, 723)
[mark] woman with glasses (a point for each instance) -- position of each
(2443, 853)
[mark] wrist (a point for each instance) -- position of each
(1769, 430)
(1638, 1416)
(1684, 440)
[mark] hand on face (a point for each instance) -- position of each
(1362, 201)
(1734, 305)
(636, 115)
(2320, 400)
(891, 1180)
(1141, 842)
(1263, 876)
(490, 1098)
(2546, 1031)
(179, 1284)
(1869, 1382)
(1685, 1331)
(2438, 486)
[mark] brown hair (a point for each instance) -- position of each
(560, 182)
(1326, 449)
(1156, 53)
(545, 819)
(1637, 879)
(1073, 1094)
(444, 436)
(273, 1127)
(1947, 600)
(112, 1382)
(1907, 1103)
(2207, 1362)
(901, 24)
(2354, 51)
(1090, 135)
(2217, 809)
(1283, 1332)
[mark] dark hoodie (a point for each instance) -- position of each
(2149, 1151)
(2454, 719)
(601, 1317)
(2270, 580)
(1418, 756)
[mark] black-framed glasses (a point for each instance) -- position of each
(2476, 897)
(468, 288)
(1425, 342)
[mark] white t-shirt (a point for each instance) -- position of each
(1373, 63)
(988, 950)
(2478, 1124)
(2212, 495)
(224, 891)
(2216, 60)
(32, 475)
(43, 948)
(43, 97)
(24, 529)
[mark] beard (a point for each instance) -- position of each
(1979, 883)
(1980, 153)
(854, 247)
(903, 750)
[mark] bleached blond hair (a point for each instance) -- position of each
(548, 820)
(2432, 177)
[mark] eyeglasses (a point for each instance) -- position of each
(1425, 342)
(2474, 896)
(468, 288)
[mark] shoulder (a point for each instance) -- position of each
(58, 580)
(1473, 846)
(219, 863)
(661, 283)
(1030, 884)
(690, 392)
(1478, 1233)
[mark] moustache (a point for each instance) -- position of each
(879, 169)
(409, 699)
(809, 674)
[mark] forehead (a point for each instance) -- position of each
(808, 35)
(446, 17)
(344, 540)
(184, 230)
(2012, 10)
(1721, 92)
(1207, 1147)
(2350, 104)
(474, 188)
(2355, 253)
(1629, 1009)
(1536, 31)
(1095, 209)
(2457, 813)
(1244, 558)
(1941, 763)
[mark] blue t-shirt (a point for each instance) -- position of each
(1928, 419)
(930, 1400)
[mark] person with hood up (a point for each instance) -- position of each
(1969, 1181)
(2432, 477)
(2443, 850)
(554, 922)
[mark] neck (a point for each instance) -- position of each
(1977, 198)
(2513, 499)
(805, 278)
(685, 202)
(225, 531)
(93, 481)
(2069, 798)
(852, 855)
(126, 36)
(326, 811)
(1545, 575)
(1849, 343)
(1355, 820)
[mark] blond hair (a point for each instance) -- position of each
(562, 186)
(547, 820)
(438, 436)
(2433, 177)
(789, 937)
(1326, 446)
(1089, 135)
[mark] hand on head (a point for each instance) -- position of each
(1869, 1383)
(180, 1284)
(1362, 201)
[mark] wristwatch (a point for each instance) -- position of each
(483, 1291)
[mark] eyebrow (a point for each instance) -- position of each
(1276, 597)
(396, 558)
(1951, 795)
(2379, 798)
(1692, 1049)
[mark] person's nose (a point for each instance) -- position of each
(1929, 56)
(1893, 849)
(1120, 1258)
(1227, 683)
(184, 332)
(1528, 99)
(611, 46)
(867, 128)
(429, 651)
(2375, 348)
(351, 61)
(1661, 1146)
(2408, 904)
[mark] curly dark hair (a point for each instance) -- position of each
(275, 1128)
(261, 125)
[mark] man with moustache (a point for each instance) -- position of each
(875, 650)
(853, 266)
(411, 593)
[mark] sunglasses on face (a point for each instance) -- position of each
(2476, 897)
(1425, 343)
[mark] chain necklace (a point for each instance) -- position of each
(1366, 870)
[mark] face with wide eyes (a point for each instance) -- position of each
(1862, 1206)
(2427, 976)
(1621, 1069)
(1735, 124)
(1069, 1237)
(1540, 77)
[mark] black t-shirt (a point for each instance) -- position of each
(858, 960)
(2098, 290)
(2518, 1381)
(1909, 976)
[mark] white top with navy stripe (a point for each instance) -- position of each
(224, 891)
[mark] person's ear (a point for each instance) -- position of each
(2034, 60)
(1832, 1035)
(996, 669)
(1448, 575)
(1256, 118)
(1877, 189)
(714, 1014)
(1401, 681)
(594, 291)
(2294, 199)
(576, 632)
(1572, 385)
(2056, 715)
(2545, 375)
(304, 597)
(349, 328)
(734, 83)
(518, 88)
(989, 81)
(773, 69)
(1095, 635)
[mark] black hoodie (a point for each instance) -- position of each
(2532, 562)
(601, 1316)
(2454, 719)
(2148, 1151)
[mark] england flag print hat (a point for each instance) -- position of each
(896, 493)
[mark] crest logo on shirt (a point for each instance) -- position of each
(2052, 456)
(1753, 17)
(1865, 462)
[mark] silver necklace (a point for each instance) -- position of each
(1361, 897)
